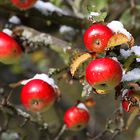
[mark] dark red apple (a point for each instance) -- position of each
(76, 118)
(96, 37)
(10, 51)
(23, 4)
(37, 95)
(130, 101)
(104, 73)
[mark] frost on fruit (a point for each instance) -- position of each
(7, 31)
(43, 77)
(82, 106)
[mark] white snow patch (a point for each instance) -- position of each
(127, 53)
(46, 7)
(7, 31)
(43, 77)
(65, 28)
(117, 27)
(138, 59)
(82, 106)
(136, 50)
(94, 14)
(132, 75)
(14, 20)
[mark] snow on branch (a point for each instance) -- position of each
(127, 53)
(132, 75)
(46, 7)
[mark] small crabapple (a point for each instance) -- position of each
(76, 118)
(23, 4)
(37, 95)
(103, 73)
(10, 51)
(130, 100)
(96, 37)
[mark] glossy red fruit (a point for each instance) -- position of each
(96, 37)
(103, 73)
(130, 101)
(37, 95)
(10, 51)
(76, 118)
(23, 4)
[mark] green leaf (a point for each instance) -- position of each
(97, 5)
(131, 18)
(101, 17)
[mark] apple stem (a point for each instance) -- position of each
(63, 128)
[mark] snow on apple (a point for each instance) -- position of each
(82, 106)
(117, 27)
(76, 118)
(43, 77)
(7, 31)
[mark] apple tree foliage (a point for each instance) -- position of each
(51, 36)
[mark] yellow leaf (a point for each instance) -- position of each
(78, 61)
(118, 39)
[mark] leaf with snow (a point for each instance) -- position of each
(97, 16)
(117, 27)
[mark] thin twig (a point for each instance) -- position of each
(63, 128)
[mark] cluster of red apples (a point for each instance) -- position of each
(103, 74)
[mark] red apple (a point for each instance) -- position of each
(96, 37)
(76, 118)
(104, 73)
(130, 101)
(10, 51)
(37, 95)
(23, 4)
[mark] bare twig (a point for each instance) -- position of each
(63, 128)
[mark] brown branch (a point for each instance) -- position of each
(36, 39)
(63, 128)
(54, 17)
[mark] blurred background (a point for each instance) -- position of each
(69, 26)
